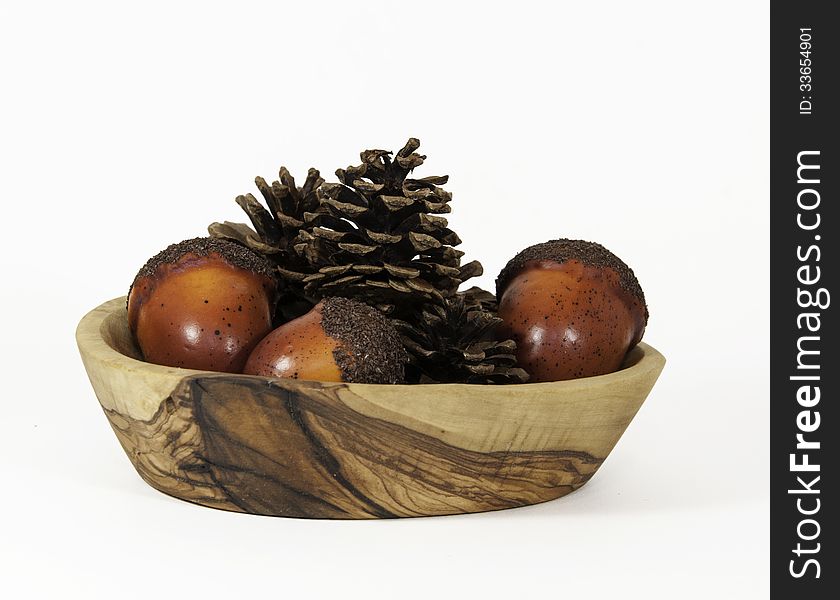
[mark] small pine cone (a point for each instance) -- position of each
(378, 235)
(453, 342)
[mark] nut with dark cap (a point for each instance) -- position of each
(338, 340)
(203, 303)
(573, 307)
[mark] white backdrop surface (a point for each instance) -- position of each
(642, 125)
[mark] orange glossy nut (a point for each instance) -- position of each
(200, 310)
(300, 349)
(338, 340)
(576, 317)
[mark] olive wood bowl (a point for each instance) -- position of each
(352, 451)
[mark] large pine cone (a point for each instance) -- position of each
(378, 235)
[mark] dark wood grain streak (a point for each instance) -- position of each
(253, 446)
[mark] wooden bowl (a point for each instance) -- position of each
(352, 451)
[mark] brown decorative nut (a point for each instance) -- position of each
(573, 307)
(203, 303)
(338, 340)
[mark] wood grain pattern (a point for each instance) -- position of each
(322, 450)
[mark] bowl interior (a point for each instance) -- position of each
(116, 333)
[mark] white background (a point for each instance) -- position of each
(642, 125)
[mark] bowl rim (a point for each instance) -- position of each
(90, 338)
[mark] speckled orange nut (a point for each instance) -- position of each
(202, 304)
(573, 308)
(300, 349)
(338, 340)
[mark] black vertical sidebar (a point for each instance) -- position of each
(804, 226)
